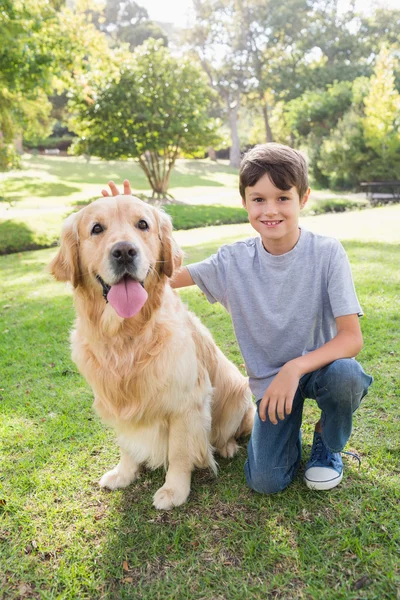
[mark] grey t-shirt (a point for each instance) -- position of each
(281, 306)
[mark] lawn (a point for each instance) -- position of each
(64, 538)
(35, 200)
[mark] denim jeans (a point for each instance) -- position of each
(274, 451)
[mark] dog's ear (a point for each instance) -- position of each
(172, 255)
(65, 264)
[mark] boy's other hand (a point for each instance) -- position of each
(115, 191)
(278, 398)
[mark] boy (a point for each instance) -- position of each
(295, 313)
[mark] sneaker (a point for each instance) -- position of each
(324, 470)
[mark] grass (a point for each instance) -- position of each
(35, 200)
(43, 230)
(61, 537)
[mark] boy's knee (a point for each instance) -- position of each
(267, 482)
(346, 378)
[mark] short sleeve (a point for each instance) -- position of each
(341, 290)
(210, 275)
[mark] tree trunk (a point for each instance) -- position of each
(234, 152)
(268, 130)
(18, 143)
(157, 172)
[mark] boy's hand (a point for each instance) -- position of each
(278, 398)
(115, 191)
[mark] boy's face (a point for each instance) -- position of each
(274, 214)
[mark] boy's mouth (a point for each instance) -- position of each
(271, 223)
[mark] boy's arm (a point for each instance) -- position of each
(181, 278)
(278, 397)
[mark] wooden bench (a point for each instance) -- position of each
(381, 192)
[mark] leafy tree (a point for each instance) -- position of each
(276, 48)
(45, 46)
(382, 109)
(127, 22)
(154, 109)
(26, 70)
(218, 41)
(365, 144)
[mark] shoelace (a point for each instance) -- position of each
(319, 448)
(354, 455)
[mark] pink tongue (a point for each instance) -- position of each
(127, 297)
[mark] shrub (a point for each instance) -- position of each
(336, 205)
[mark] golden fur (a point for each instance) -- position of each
(158, 377)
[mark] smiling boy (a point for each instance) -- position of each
(295, 313)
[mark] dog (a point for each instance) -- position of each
(157, 375)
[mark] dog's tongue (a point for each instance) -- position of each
(127, 297)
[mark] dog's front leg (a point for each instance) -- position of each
(188, 446)
(122, 475)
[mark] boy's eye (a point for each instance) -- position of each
(283, 198)
(258, 199)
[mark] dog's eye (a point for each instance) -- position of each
(143, 225)
(96, 229)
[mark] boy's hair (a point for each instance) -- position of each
(286, 168)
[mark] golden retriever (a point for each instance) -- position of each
(158, 378)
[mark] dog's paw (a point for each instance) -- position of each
(114, 479)
(166, 498)
(229, 450)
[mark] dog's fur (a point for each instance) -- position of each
(158, 377)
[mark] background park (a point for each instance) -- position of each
(169, 96)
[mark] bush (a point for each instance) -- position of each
(51, 143)
(336, 205)
(9, 157)
(189, 216)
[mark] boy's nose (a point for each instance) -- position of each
(270, 208)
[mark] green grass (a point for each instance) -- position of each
(61, 537)
(35, 200)
(43, 231)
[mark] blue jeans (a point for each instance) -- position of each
(274, 451)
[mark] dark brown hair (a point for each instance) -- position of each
(286, 168)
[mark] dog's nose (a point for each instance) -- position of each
(123, 253)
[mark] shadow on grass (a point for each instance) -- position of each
(16, 236)
(185, 174)
(19, 189)
(227, 542)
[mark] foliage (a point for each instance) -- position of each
(365, 144)
(26, 70)
(156, 107)
(45, 45)
(316, 112)
(127, 22)
(335, 205)
(382, 110)
(218, 41)
(9, 157)
(50, 143)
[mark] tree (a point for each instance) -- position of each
(276, 46)
(45, 46)
(218, 41)
(365, 143)
(127, 22)
(26, 70)
(154, 109)
(302, 45)
(382, 110)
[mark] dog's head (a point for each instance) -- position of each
(120, 247)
